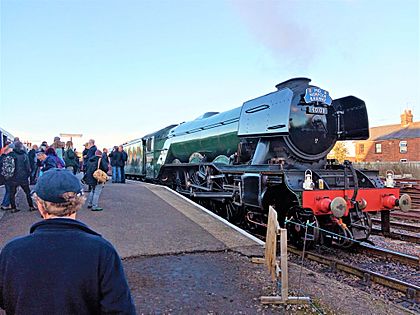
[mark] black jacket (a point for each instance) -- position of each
(119, 160)
(31, 156)
(114, 156)
(22, 168)
(84, 155)
(105, 162)
(92, 166)
(62, 267)
(91, 152)
(124, 156)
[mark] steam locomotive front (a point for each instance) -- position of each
(300, 123)
(312, 123)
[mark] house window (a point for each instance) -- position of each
(378, 147)
(403, 146)
(361, 148)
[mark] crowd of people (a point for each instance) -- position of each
(22, 168)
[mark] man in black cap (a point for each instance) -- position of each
(62, 267)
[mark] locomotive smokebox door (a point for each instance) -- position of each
(352, 119)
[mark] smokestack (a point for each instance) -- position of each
(406, 118)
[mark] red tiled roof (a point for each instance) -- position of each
(389, 132)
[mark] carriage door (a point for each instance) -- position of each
(143, 157)
(149, 160)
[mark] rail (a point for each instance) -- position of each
(411, 290)
(400, 225)
(387, 253)
(398, 236)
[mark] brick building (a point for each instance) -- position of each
(391, 143)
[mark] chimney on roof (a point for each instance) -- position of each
(406, 118)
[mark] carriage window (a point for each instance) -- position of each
(378, 147)
(149, 144)
(403, 146)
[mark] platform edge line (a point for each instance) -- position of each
(253, 238)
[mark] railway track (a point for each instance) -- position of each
(412, 291)
(390, 254)
(400, 225)
(398, 236)
(412, 188)
(412, 215)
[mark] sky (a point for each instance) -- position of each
(117, 70)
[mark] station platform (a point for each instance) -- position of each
(180, 259)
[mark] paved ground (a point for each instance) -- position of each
(140, 224)
(180, 260)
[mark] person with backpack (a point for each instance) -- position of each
(7, 169)
(70, 158)
(22, 172)
(93, 164)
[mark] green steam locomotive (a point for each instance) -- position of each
(272, 151)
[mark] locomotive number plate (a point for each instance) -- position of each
(317, 110)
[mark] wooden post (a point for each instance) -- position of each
(270, 260)
(284, 268)
(385, 225)
(271, 243)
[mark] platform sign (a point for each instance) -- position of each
(317, 95)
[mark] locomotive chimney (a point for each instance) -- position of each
(406, 118)
(294, 83)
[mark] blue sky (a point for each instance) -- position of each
(116, 70)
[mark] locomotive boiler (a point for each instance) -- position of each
(272, 151)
